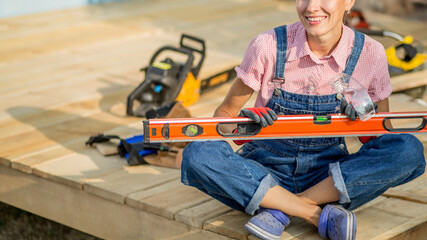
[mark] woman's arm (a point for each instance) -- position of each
(383, 106)
(236, 98)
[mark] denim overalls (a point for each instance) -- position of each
(240, 180)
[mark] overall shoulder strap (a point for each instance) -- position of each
(359, 42)
(282, 45)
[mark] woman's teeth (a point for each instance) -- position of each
(315, 19)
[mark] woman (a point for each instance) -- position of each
(291, 66)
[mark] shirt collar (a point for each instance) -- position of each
(301, 49)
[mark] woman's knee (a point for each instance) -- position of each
(405, 148)
(190, 156)
(412, 150)
(198, 155)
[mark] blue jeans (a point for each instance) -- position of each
(241, 179)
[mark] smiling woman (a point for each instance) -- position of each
(322, 20)
(291, 67)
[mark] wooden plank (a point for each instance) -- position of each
(409, 80)
(25, 163)
(229, 224)
(66, 205)
(25, 119)
(62, 92)
(200, 7)
(415, 229)
(167, 204)
(107, 59)
(102, 85)
(61, 132)
(88, 213)
(26, 25)
(353, 144)
(389, 215)
(400, 102)
(5, 162)
(414, 191)
(74, 169)
(116, 186)
(166, 159)
(238, 25)
(197, 215)
(103, 57)
(197, 234)
(12, 49)
(51, 97)
(134, 199)
(176, 199)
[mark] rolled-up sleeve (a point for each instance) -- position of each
(251, 70)
(380, 86)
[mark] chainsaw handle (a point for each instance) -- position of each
(413, 129)
(174, 49)
(201, 51)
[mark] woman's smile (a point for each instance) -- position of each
(314, 20)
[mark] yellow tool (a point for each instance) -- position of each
(169, 81)
(412, 58)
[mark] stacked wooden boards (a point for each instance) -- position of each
(65, 75)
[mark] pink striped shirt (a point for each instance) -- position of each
(306, 73)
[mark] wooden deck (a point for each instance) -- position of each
(65, 76)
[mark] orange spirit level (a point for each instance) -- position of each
(289, 126)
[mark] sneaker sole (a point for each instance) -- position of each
(350, 217)
(351, 223)
(259, 232)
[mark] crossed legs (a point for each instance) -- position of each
(304, 204)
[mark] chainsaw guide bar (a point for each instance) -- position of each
(286, 126)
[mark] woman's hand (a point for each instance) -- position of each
(348, 109)
(262, 115)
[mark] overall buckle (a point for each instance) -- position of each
(278, 81)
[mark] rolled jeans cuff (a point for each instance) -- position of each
(266, 183)
(335, 171)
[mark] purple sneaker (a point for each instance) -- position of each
(268, 224)
(337, 223)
